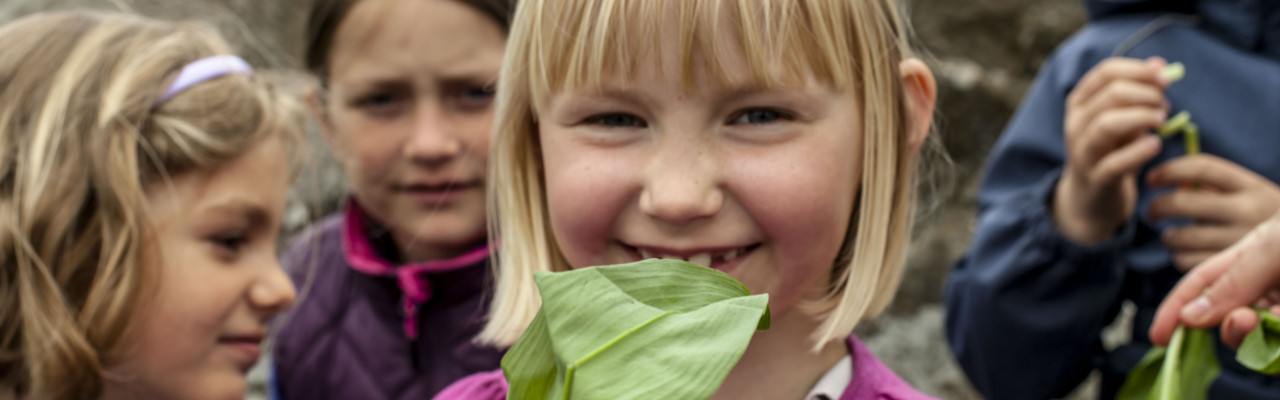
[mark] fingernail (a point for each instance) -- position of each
(1197, 311)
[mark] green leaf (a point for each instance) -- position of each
(1140, 382)
(1183, 371)
(1199, 364)
(1260, 350)
(645, 330)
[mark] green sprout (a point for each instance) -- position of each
(1175, 125)
(1181, 123)
(1174, 72)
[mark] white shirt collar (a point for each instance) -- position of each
(832, 385)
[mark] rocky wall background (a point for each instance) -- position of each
(984, 52)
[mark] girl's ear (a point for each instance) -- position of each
(921, 94)
(318, 106)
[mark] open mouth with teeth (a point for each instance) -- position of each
(723, 260)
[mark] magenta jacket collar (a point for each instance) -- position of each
(412, 278)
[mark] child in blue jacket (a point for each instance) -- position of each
(1083, 208)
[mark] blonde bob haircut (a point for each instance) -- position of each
(560, 45)
(81, 141)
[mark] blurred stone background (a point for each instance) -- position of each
(984, 52)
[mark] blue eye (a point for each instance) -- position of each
(760, 116)
(617, 120)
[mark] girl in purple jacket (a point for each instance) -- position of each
(773, 140)
(394, 284)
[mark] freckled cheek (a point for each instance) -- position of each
(802, 205)
(585, 198)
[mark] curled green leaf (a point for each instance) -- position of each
(1141, 381)
(654, 329)
(1183, 371)
(1260, 350)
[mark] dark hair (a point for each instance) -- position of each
(326, 15)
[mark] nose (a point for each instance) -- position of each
(682, 184)
(433, 141)
(273, 292)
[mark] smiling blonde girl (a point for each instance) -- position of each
(773, 140)
(142, 183)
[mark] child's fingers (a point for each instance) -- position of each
(1147, 71)
(1186, 260)
(1237, 325)
(1126, 159)
(1193, 204)
(1202, 237)
(1114, 129)
(1119, 95)
(1202, 168)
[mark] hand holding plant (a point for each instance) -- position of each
(1108, 117)
(1188, 366)
(1220, 290)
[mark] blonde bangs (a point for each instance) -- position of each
(574, 44)
(560, 46)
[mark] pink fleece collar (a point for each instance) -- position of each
(412, 278)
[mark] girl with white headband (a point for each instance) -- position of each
(143, 180)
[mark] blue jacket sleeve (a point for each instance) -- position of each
(1026, 306)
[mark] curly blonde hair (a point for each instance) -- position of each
(81, 138)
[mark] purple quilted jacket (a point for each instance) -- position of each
(369, 329)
